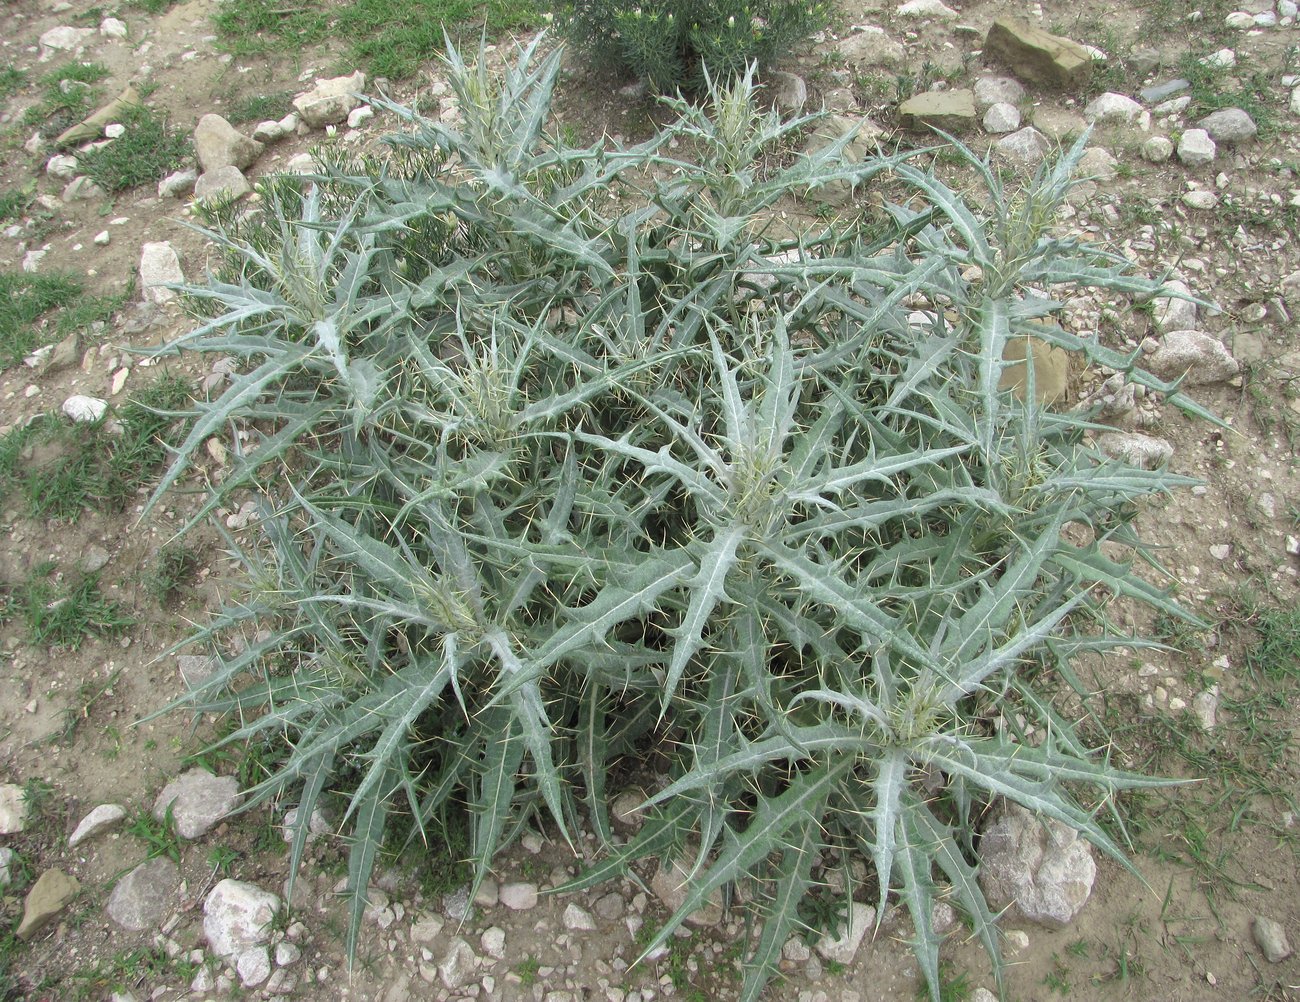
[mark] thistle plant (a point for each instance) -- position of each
(563, 455)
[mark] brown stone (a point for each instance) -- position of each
(1051, 369)
(950, 110)
(1037, 56)
(52, 893)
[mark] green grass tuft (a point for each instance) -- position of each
(149, 150)
(62, 614)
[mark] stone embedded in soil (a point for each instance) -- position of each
(982, 995)
(1025, 148)
(1143, 451)
(1196, 148)
(198, 800)
(1051, 369)
(1271, 939)
(456, 969)
(833, 129)
(178, 184)
(871, 46)
(7, 860)
(989, 91)
(217, 143)
(221, 184)
(1201, 359)
(112, 27)
(1001, 117)
(330, 101)
(142, 898)
(1097, 164)
(237, 916)
(1111, 107)
(950, 110)
(671, 884)
(789, 93)
(927, 9)
(1174, 313)
(1159, 92)
(426, 928)
(81, 189)
(98, 821)
(1201, 200)
(1038, 56)
(253, 966)
(493, 942)
(577, 919)
(269, 132)
(519, 897)
(1205, 707)
(1040, 866)
(1229, 125)
(64, 39)
(13, 809)
(160, 266)
(62, 166)
(843, 948)
(52, 893)
(83, 409)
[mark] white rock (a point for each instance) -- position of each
(1229, 125)
(870, 46)
(62, 166)
(1024, 148)
(1201, 199)
(83, 409)
(237, 916)
(103, 238)
(1111, 107)
(197, 800)
(1174, 106)
(1205, 705)
(142, 898)
(1001, 117)
(493, 942)
(1202, 359)
(1143, 451)
(81, 189)
(1266, 19)
(671, 883)
(1240, 20)
(1196, 148)
(64, 39)
(289, 123)
(519, 897)
(159, 266)
(253, 966)
(317, 825)
(1042, 867)
(287, 954)
(843, 948)
(268, 132)
(927, 8)
(102, 818)
(1224, 59)
(1097, 164)
(221, 184)
(1286, 8)
(13, 808)
(111, 27)
(114, 130)
(330, 101)
(426, 928)
(7, 860)
(217, 144)
(179, 184)
(577, 920)
(358, 117)
(1270, 936)
(998, 90)
(457, 966)
(1157, 149)
(982, 995)
(1173, 313)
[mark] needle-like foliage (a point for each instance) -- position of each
(567, 454)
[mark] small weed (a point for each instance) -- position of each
(222, 858)
(159, 836)
(952, 987)
(11, 81)
(68, 94)
(127, 970)
(14, 203)
(260, 107)
(88, 695)
(62, 617)
(63, 468)
(527, 970)
(1079, 948)
(150, 149)
(24, 300)
(174, 568)
(1058, 978)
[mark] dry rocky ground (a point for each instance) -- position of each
(1214, 204)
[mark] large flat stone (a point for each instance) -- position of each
(949, 110)
(1038, 56)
